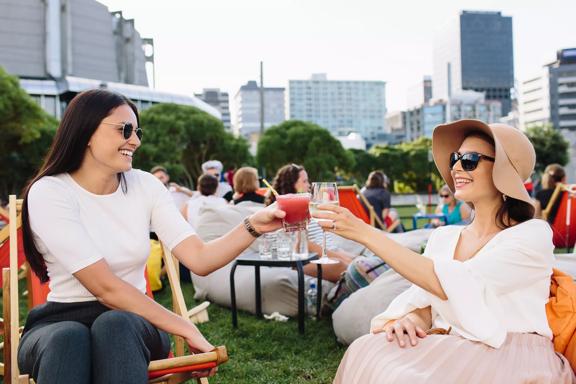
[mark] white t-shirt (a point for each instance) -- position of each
(74, 228)
(199, 201)
(503, 288)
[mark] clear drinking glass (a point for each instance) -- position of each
(323, 193)
(283, 245)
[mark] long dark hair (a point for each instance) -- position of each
(285, 181)
(81, 118)
(511, 210)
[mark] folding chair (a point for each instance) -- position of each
(351, 198)
(171, 370)
(563, 222)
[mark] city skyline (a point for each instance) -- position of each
(220, 43)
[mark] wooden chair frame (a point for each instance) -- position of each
(170, 371)
(555, 195)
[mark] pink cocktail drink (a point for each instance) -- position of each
(296, 207)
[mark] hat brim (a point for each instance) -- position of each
(448, 138)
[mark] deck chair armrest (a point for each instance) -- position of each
(219, 355)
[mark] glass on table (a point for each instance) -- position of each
(283, 245)
(266, 243)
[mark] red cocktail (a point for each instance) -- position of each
(296, 207)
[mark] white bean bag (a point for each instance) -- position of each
(352, 318)
(279, 285)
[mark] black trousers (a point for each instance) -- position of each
(88, 343)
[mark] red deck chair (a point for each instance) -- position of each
(171, 370)
(5, 248)
(564, 221)
(351, 198)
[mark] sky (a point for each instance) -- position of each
(220, 43)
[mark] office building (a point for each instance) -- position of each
(247, 109)
(341, 106)
(475, 52)
(550, 97)
(61, 47)
(220, 101)
(421, 121)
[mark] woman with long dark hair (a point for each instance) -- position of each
(86, 219)
(476, 310)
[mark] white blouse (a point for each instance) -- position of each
(74, 228)
(503, 288)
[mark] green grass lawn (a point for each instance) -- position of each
(263, 351)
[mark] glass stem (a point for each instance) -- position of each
(324, 254)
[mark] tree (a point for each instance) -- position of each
(26, 132)
(407, 165)
(364, 163)
(182, 137)
(550, 146)
(303, 143)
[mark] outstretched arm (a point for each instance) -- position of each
(204, 258)
(413, 266)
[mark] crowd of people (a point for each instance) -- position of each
(474, 311)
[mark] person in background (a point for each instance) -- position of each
(245, 186)
(553, 174)
(179, 193)
(229, 176)
(214, 168)
(455, 211)
(377, 194)
(207, 186)
(292, 178)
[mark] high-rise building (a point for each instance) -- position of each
(247, 109)
(220, 101)
(550, 98)
(563, 90)
(475, 53)
(61, 47)
(341, 106)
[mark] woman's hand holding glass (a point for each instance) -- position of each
(268, 219)
(342, 222)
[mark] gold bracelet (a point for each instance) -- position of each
(250, 228)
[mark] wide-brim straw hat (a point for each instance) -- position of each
(514, 160)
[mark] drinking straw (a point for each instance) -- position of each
(270, 187)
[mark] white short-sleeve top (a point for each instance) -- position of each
(503, 288)
(74, 228)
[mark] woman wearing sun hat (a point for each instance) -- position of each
(476, 310)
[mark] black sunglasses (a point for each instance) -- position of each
(127, 129)
(468, 160)
(444, 196)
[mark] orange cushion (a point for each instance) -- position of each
(561, 314)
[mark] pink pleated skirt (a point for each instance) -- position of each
(447, 359)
